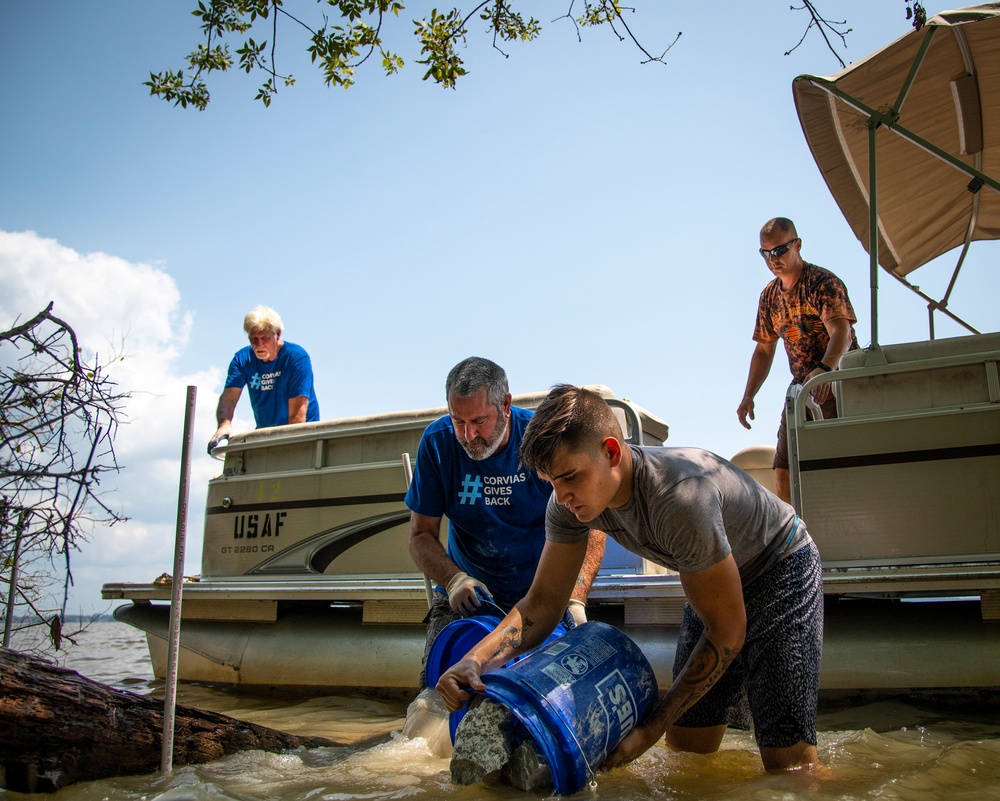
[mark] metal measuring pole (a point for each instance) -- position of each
(173, 647)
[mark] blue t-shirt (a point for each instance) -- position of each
(271, 384)
(495, 507)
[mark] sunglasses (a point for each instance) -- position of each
(778, 252)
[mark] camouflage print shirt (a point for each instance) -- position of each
(798, 317)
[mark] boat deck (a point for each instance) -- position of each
(946, 579)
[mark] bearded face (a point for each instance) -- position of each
(480, 427)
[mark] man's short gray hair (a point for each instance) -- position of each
(471, 375)
(262, 318)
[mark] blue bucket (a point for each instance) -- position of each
(455, 641)
(578, 697)
(458, 638)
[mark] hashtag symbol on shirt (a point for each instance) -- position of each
(255, 381)
(470, 490)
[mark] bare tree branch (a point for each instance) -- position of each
(823, 25)
(609, 12)
(59, 413)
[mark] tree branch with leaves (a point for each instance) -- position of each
(355, 36)
(340, 48)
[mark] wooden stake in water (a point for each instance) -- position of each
(173, 647)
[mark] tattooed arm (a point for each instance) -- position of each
(596, 542)
(716, 594)
(532, 620)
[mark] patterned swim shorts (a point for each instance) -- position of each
(773, 683)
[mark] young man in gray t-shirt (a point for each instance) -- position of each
(751, 640)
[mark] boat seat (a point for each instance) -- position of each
(931, 387)
(757, 461)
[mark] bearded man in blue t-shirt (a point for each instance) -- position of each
(469, 470)
(278, 376)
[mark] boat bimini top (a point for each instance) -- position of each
(907, 140)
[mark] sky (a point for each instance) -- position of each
(569, 212)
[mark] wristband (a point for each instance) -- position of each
(823, 367)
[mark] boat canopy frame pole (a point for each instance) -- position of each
(873, 230)
(889, 119)
(970, 70)
(938, 305)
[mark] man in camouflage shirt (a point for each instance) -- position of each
(808, 308)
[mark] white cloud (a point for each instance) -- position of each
(103, 297)
(131, 311)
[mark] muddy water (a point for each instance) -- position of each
(903, 751)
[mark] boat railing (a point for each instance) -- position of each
(319, 445)
(907, 477)
(798, 395)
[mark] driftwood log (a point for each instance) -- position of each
(58, 727)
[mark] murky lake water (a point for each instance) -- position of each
(885, 750)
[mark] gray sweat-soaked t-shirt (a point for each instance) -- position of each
(689, 510)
